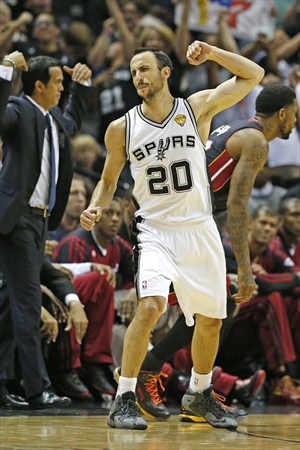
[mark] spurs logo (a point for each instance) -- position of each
(162, 147)
(180, 119)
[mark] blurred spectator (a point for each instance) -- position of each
(88, 157)
(284, 160)
(34, 7)
(247, 18)
(62, 314)
(77, 201)
(11, 30)
(264, 192)
(45, 39)
(287, 242)
(37, 7)
(114, 89)
(127, 16)
(107, 264)
(76, 40)
(261, 326)
(291, 19)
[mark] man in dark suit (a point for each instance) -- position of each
(34, 185)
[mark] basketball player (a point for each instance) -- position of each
(235, 152)
(176, 237)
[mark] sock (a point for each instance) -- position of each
(199, 382)
(151, 362)
(179, 336)
(125, 385)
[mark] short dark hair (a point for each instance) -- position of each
(162, 58)
(273, 97)
(38, 70)
(287, 203)
(264, 209)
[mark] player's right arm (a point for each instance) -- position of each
(253, 150)
(114, 163)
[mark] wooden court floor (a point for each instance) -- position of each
(90, 432)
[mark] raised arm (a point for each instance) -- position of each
(247, 75)
(253, 156)
(114, 163)
(128, 37)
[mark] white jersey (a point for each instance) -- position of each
(168, 166)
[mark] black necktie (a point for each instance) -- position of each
(52, 195)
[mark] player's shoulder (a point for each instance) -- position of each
(248, 135)
(116, 129)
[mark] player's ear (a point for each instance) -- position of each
(166, 71)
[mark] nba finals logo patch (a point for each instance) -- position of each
(144, 284)
(180, 119)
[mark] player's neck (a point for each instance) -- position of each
(255, 248)
(269, 131)
(158, 108)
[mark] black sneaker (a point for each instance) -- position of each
(98, 378)
(246, 390)
(69, 383)
(206, 405)
(147, 394)
(125, 413)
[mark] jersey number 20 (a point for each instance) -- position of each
(180, 178)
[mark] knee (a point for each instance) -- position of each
(208, 325)
(151, 308)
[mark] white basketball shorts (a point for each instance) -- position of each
(189, 255)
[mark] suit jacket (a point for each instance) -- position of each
(56, 281)
(22, 127)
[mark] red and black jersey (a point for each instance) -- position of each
(219, 161)
(278, 276)
(79, 246)
(291, 255)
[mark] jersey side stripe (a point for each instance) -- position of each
(193, 119)
(127, 135)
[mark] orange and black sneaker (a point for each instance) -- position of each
(284, 391)
(237, 413)
(147, 393)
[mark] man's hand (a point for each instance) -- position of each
(197, 53)
(246, 286)
(78, 318)
(50, 247)
(90, 216)
(24, 19)
(18, 59)
(80, 72)
(103, 268)
(49, 327)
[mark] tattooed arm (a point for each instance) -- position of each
(253, 151)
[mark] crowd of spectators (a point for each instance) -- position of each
(96, 267)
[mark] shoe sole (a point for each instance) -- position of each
(151, 416)
(112, 424)
(52, 406)
(191, 419)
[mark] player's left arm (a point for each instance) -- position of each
(247, 75)
(253, 156)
